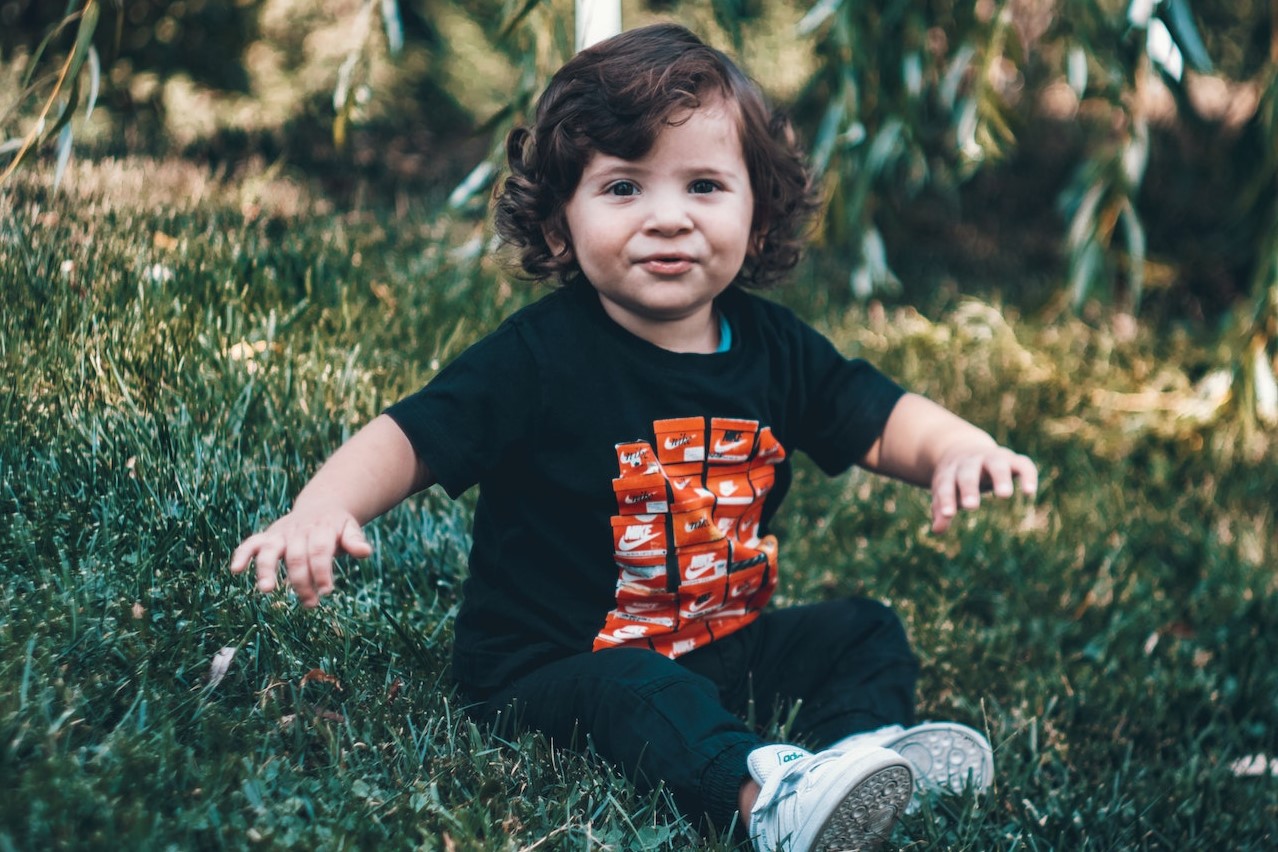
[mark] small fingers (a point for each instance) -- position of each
(968, 480)
(320, 550)
(944, 505)
(307, 547)
(999, 471)
(263, 551)
(957, 482)
(297, 566)
(352, 540)
(267, 560)
(244, 553)
(1025, 469)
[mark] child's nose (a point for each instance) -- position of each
(668, 216)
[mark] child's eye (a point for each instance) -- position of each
(702, 187)
(622, 188)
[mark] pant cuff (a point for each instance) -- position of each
(721, 784)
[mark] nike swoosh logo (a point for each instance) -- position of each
(630, 631)
(699, 571)
(640, 573)
(727, 446)
(676, 443)
(699, 604)
(626, 545)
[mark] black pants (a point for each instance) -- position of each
(683, 721)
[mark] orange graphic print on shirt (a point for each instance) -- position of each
(691, 564)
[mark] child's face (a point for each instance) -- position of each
(661, 236)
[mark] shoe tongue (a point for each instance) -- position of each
(766, 761)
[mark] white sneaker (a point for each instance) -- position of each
(844, 801)
(945, 756)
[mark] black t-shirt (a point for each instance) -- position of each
(626, 490)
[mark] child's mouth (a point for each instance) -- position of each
(669, 265)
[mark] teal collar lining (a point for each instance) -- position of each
(725, 334)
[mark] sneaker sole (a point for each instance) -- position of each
(946, 756)
(863, 821)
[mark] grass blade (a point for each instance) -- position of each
(1134, 235)
(70, 71)
(95, 81)
(1180, 20)
(393, 25)
(64, 154)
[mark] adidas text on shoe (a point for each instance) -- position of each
(829, 801)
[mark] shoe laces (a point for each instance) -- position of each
(784, 782)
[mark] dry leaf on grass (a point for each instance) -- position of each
(220, 665)
(321, 676)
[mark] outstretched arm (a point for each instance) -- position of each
(927, 445)
(369, 474)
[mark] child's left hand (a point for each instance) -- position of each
(963, 471)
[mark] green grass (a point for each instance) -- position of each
(179, 354)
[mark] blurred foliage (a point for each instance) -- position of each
(63, 97)
(913, 99)
(1125, 150)
(194, 37)
(227, 80)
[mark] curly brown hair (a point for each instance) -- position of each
(615, 97)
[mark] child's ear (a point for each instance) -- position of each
(555, 240)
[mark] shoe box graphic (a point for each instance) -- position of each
(691, 564)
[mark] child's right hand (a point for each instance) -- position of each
(307, 539)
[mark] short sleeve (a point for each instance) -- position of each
(847, 404)
(474, 412)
